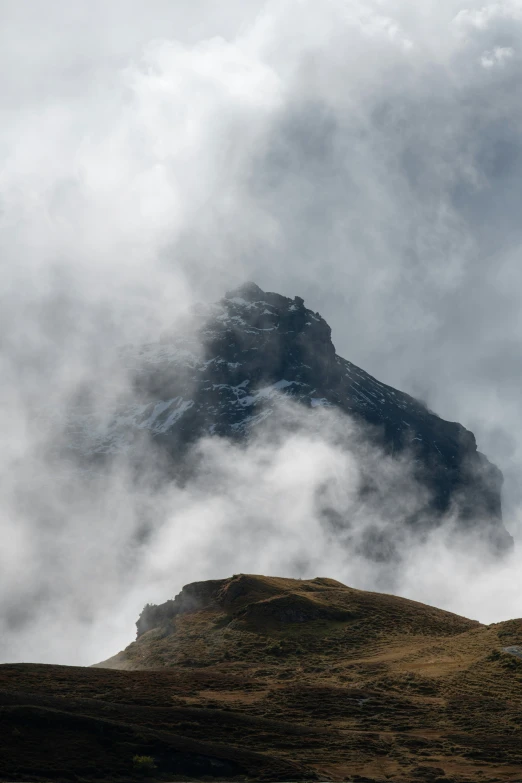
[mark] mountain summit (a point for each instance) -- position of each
(241, 356)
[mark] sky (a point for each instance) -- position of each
(364, 155)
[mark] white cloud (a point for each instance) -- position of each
(497, 56)
(485, 16)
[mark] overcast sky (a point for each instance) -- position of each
(363, 154)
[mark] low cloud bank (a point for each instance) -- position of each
(87, 547)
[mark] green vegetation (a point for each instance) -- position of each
(143, 764)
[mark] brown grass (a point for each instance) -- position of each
(279, 679)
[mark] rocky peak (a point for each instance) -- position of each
(253, 348)
(272, 334)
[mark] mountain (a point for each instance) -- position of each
(265, 678)
(228, 372)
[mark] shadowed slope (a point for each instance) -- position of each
(278, 679)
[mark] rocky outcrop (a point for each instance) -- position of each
(192, 598)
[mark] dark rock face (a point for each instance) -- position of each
(192, 598)
(252, 347)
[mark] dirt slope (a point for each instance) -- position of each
(281, 679)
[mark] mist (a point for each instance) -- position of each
(365, 156)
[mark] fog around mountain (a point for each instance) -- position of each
(363, 156)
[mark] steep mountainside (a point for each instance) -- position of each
(226, 375)
(262, 678)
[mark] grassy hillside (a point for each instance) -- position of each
(281, 679)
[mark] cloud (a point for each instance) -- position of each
(87, 548)
(363, 155)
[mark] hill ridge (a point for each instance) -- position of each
(234, 688)
(276, 608)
